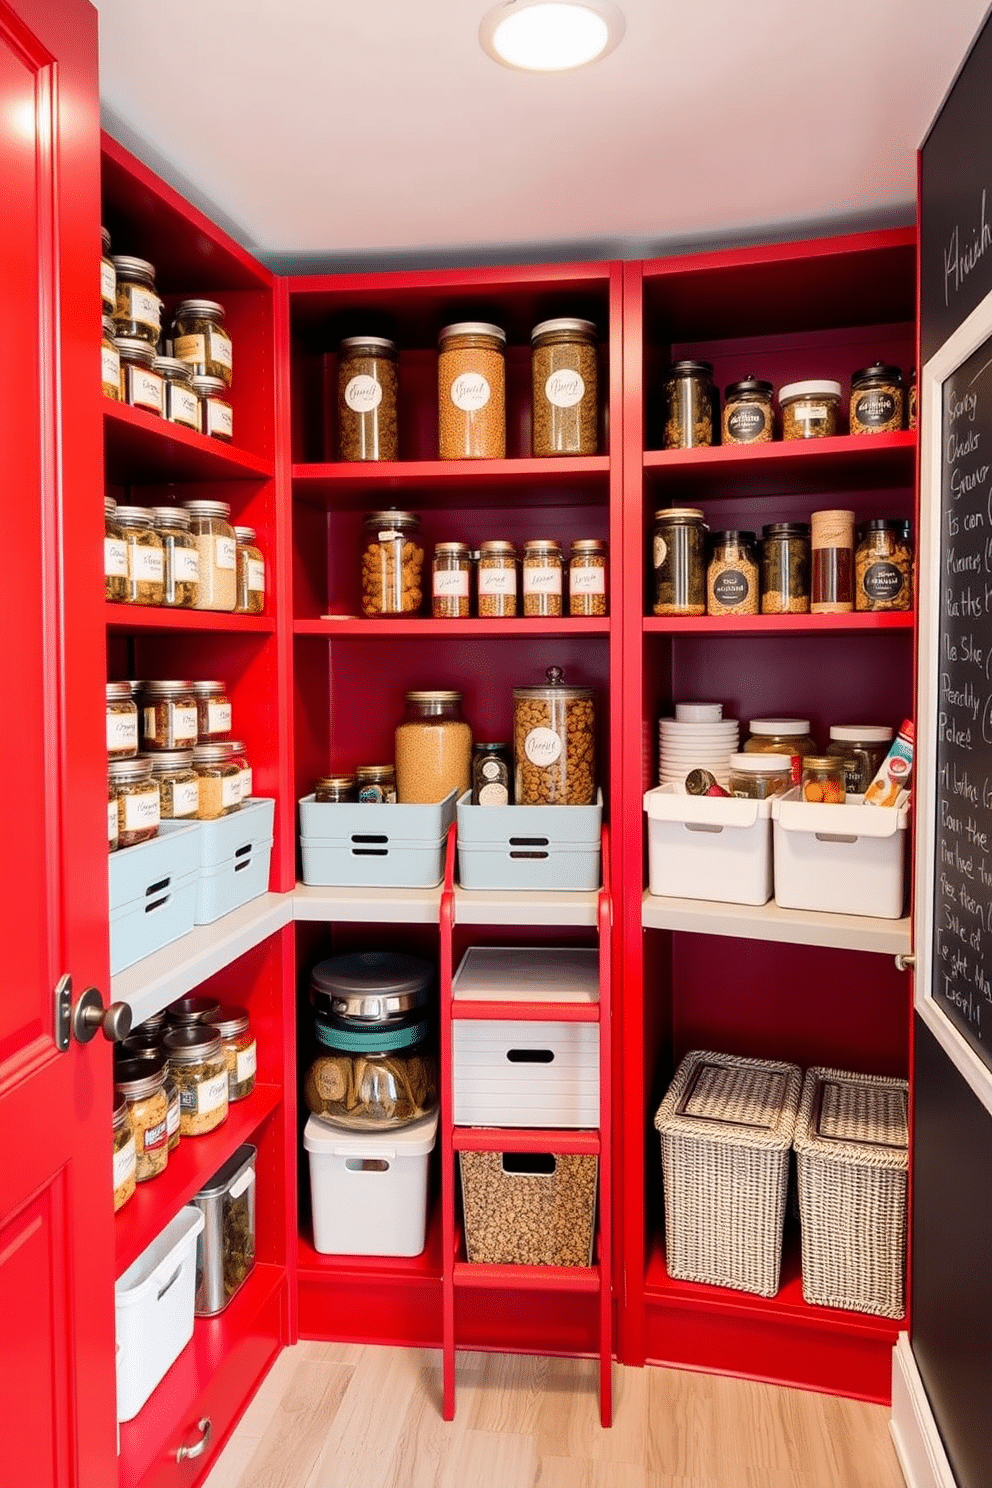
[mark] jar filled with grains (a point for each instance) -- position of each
(497, 579)
(149, 1049)
(181, 556)
(748, 417)
(145, 556)
(554, 743)
(367, 424)
(688, 390)
(180, 404)
(876, 400)
(114, 553)
(200, 338)
(809, 409)
(108, 277)
(219, 781)
(334, 789)
(450, 581)
(785, 561)
(679, 560)
(216, 413)
(564, 396)
(137, 307)
(198, 1065)
(168, 715)
(542, 577)
(141, 385)
(122, 721)
(433, 748)
(178, 787)
(471, 386)
(732, 575)
(110, 361)
(832, 559)
(141, 1082)
(138, 807)
(789, 736)
(376, 784)
(587, 577)
(213, 711)
(210, 524)
(251, 573)
(240, 1050)
(392, 564)
(883, 566)
(239, 754)
(125, 1153)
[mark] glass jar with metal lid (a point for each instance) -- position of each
(180, 404)
(564, 395)
(141, 385)
(433, 748)
(168, 715)
(198, 1065)
(122, 721)
(367, 424)
(542, 570)
(216, 413)
(240, 1050)
(497, 579)
(108, 278)
(190, 1009)
(748, 417)
(148, 1047)
(137, 307)
(492, 775)
(200, 338)
(587, 577)
(138, 807)
(238, 752)
(376, 784)
(392, 564)
(114, 554)
(554, 743)
(450, 581)
(125, 1153)
(145, 556)
(862, 747)
(789, 736)
(110, 361)
(113, 826)
(732, 575)
(911, 400)
(210, 524)
(181, 557)
(876, 400)
(213, 711)
(142, 1084)
(809, 409)
(688, 390)
(758, 776)
(179, 788)
(219, 778)
(883, 566)
(251, 573)
(785, 559)
(678, 555)
(471, 390)
(824, 779)
(333, 789)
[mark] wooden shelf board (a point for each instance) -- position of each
(383, 906)
(135, 618)
(770, 922)
(524, 1139)
(337, 627)
(526, 1012)
(526, 907)
(785, 467)
(140, 447)
(757, 625)
(560, 481)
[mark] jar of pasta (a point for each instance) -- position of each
(141, 1082)
(239, 1048)
(471, 386)
(679, 560)
(137, 307)
(180, 404)
(238, 752)
(251, 573)
(542, 577)
(138, 808)
(497, 579)
(392, 564)
(809, 409)
(450, 581)
(883, 566)
(178, 787)
(141, 385)
(200, 338)
(367, 426)
(114, 554)
(108, 278)
(563, 377)
(433, 748)
(168, 715)
(122, 721)
(587, 577)
(110, 361)
(213, 711)
(125, 1153)
(554, 743)
(376, 784)
(210, 524)
(747, 412)
(219, 781)
(181, 557)
(688, 392)
(198, 1065)
(216, 413)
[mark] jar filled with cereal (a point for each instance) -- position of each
(678, 557)
(198, 1065)
(543, 565)
(497, 579)
(141, 1082)
(732, 575)
(563, 376)
(554, 743)
(471, 390)
(433, 748)
(392, 564)
(367, 427)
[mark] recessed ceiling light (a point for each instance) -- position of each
(551, 35)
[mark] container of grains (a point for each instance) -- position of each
(376, 784)
(122, 721)
(542, 577)
(239, 754)
(883, 566)
(789, 736)
(114, 554)
(471, 391)
(392, 564)
(451, 572)
(200, 338)
(748, 417)
(367, 422)
(141, 385)
(688, 391)
(809, 409)
(862, 747)
(333, 789)
(216, 413)
(497, 579)
(137, 307)
(138, 807)
(142, 1084)
(492, 775)
(178, 786)
(832, 562)
(824, 779)
(240, 1050)
(554, 743)
(145, 556)
(758, 776)
(564, 397)
(180, 404)
(198, 1065)
(732, 575)
(251, 573)
(785, 558)
(181, 557)
(110, 361)
(678, 556)
(433, 748)
(587, 577)
(125, 1153)
(108, 277)
(168, 715)
(210, 524)
(876, 400)
(213, 711)
(219, 778)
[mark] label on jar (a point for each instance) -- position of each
(146, 308)
(182, 406)
(390, 534)
(245, 1062)
(246, 783)
(113, 825)
(219, 420)
(451, 582)
(542, 580)
(211, 1093)
(220, 348)
(660, 551)
(108, 282)
(122, 733)
(125, 1163)
(156, 1136)
(363, 393)
(172, 1118)
(230, 790)
(565, 388)
(144, 389)
(806, 413)
(470, 392)
(142, 811)
(498, 580)
(111, 365)
(190, 349)
(185, 565)
(731, 587)
(874, 408)
(225, 552)
(256, 576)
(493, 793)
(587, 580)
(147, 563)
(542, 747)
(185, 797)
(114, 557)
(218, 718)
(746, 422)
(184, 724)
(883, 581)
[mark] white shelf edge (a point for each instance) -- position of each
(526, 907)
(404, 906)
(770, 922)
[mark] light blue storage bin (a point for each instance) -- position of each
(220, 840)
(152, 893)
(232, 856)
(529, 847)
(363, 845)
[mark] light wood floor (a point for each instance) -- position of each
(345, 1416)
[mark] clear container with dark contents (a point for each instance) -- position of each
(678, 556)
(688, 393)
(367, 402)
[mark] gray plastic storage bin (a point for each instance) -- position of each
(225, 1247)
(370, 845)
(233, 854)
(529, 847)
(152, 894)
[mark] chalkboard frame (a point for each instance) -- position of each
(972, 334)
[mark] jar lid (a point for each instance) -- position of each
(878, 372)
(135, 1078)
(127, 266)
(472, 328)
(785, 529)
(370, 986)
(884, 524)
(173, 367)
(814, 388)
(109, 506)
(208, 508)
(140, 1043)
(230, 1020)
(438, 696)
(588, 545)
(861, 733)
(207, 385)
(134, 516)
(690, 368)
(821, 762)
(392, 519)
(497, 545)
(379, 342)
(211, 754)
(208, 688)
(748, 384)
(455, 548)
(197, 307)
(154, 1023)
(165, 761)
(245, 534)
(679, 514)
(105, 239)
(542, 545)
(192, 1043)
(171, 516)
(119, 692)
(334, 782)
(761, 764)
(107, 322)
(373, 772)
(191, 1009)
(137, 351)
(235, 746)
(225, 1178)
(579, 327)
(732, 536)
(789, 726)
(168, 689)
(491, 748)
(554, 688)
(134, 767)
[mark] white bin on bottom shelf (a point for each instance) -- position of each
(154, 1300)
(708, 847)
(847, 859)
(368, 1189)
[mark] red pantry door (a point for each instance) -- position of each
(56, 1210)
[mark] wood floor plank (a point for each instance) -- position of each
(286, 1453)
(503, 1459)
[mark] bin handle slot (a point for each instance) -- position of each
(171, 1282)
(154, 904)
(369, 837)
(366, 1165)
(157, 888)
(370, 852)
(833, 837)
(530, 1056)
(530, 842)
(543, 1163)
(240, 851)
(702, 826)
(529, 855)
(245, 863)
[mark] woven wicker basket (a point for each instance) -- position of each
(515, 1217)
(851, 1149)
(726, 1126)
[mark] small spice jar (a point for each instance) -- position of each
(554, 743)
(251, 573)
(497, 579)
(564, 397)
(180, 404)
(210, 524)
(587, 577)
(200, 338)
(876, 400)
(138, 809)
(141, 385)
(216, 413)
(392, 564)
(861, 747)
(148, 1047)
(198, 1065)
(213, 711)
(809, 409)
(911, 401)
(137, 307)
(471, 391)
(748, 417)
(110, 361)
(732, 575)
(679, 562)
(758, 776)
(789, 736)
(688, 391)
(178, 787)
(114, 554)
(122, 721)
(376, 784)
(240, 1050)
(433, 748)
(832, 562)
(785, 558)
(141, 1082)
(181, 557)
(883, 566)
(239, 754)
(168, 715)
(333, 789)
(108, 278)
(145, 556)
(450, 581)
(367, 423)
(542, 577)
(219, 780)
(824, 779)
(125, 1153)
(492, 775)
(186, 1011)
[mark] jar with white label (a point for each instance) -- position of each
(210, 524)
(178, 786)
(239, 754)
(392, 564)
(122, 721)
(471, 391)
(450, 581)
(200, 338)
(137, 307)
(213, 711)
(587, 577)
(216, 414)
(114, 554)
(497, 579)
(180, 404)
(809, 409)
(168, 715)
(141, 385)
(563, 377)
(367, 427)
(251, 573)
(199, 1068)
(542, 577)
(110, 361)
(113, 826)
(125, 1153)
(108, 278)
(138, 802)
(433, 748)
(145, 579)
(141, 1082)
(219, 781)
(181, 557)
(240, 1050)
(554, 743)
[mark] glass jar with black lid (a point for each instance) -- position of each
(876, 400)
(747, 412)
(688, 405)
(678, 557)
(784, 577)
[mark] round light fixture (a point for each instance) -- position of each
(551, 35)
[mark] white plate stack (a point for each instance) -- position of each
(697, 738)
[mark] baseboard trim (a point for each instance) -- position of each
(914, 1431)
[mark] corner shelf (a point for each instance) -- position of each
(357, 627)
(770, 922)
(139, 446)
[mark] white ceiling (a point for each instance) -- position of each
(335, 129)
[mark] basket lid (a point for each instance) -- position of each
(861, 1119)
(746, 1102)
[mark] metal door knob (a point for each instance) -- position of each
(89, 1017)
(187, 1453)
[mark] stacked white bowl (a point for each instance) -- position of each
(697, 738)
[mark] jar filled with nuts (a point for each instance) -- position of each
(554, 743)
(178, 787)
(181, 557)
(450, 581)
(376, 784)
(392, 564)
(138, 806)
(433, 748)
(747, 412)
(213, 711)
(141, 385)
(240, 1050)
(141, 1082)
(251, 573)
(732, 576)
(497, 579)
(563, 376)
(201, 340)
(688, 405)
(168, 715)
(876, 400)
(367, 399)
(809, 409)
(883, 566)
(587, 577)
(137, 307)
(110, 361)
(785, 568)
(219, 781)
(210, 524)
(114, 553)
(122, 721)
(198, 1065)
(542, 577)
(471, 391)
(125, 1153)
(145, 556)
(678, 555)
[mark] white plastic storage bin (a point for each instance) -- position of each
(709, 847)
(529, 847)
(847, 859)
(525, 1074)
(527, 974)
(234, 853)
(154, 1300)
(368, 1190)
(371, 845)
(152, 894)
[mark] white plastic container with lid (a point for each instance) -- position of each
(755, 777)
(368, 1190)
(709, 847)
(154, 1306)
(809, 409)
